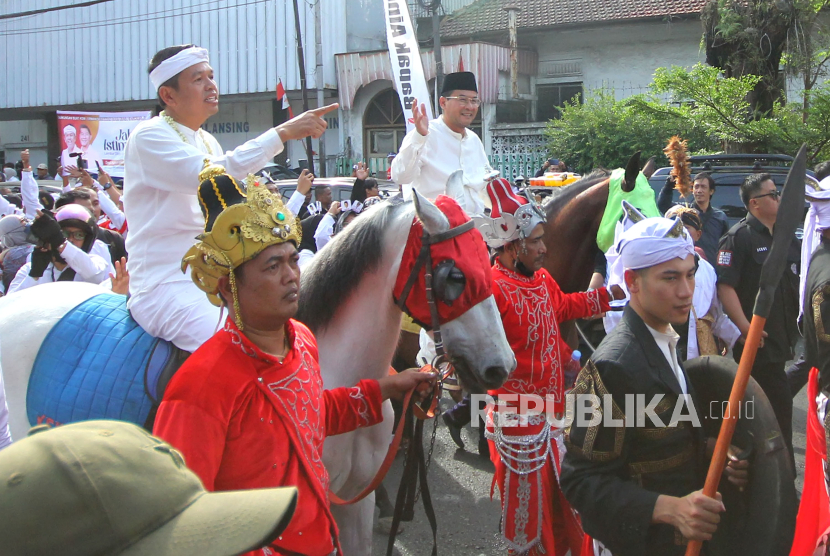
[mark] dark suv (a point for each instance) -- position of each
(729, 172)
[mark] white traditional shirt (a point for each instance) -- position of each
(426, 163)
(89, 267)
(160, 202)
(667, 342)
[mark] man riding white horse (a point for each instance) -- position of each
(248, 409)
(162, 162)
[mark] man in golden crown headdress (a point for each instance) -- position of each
(248, 409)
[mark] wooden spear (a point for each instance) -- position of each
(790, 214)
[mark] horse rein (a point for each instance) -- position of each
(441, 364)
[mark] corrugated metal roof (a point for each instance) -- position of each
(489, 15)
(357, 69)
(100, 53)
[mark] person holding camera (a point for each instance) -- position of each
(63, 252)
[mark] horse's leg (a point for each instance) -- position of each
(355, 523)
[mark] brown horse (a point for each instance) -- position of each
(574, 213)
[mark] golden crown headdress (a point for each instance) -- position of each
(239, 225)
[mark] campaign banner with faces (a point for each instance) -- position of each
(96, 138)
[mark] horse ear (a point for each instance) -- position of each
(650, 167)
(632, 170)
(430, 216)
(455, 185)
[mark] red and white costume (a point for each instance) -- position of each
(536, 518)
(244, 420)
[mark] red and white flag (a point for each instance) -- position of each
(284, 98)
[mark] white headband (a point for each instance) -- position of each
(174, 65)
(654, 241)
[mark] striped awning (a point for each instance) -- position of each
(356, 69)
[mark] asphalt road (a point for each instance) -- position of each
(468, 521)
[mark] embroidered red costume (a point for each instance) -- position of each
(536, 518)
(244, 420)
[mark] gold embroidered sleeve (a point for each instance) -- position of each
(591, 436)
(821, 313)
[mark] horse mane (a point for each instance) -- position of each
(562, 195)
(337, 269)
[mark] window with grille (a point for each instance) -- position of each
(552, 97)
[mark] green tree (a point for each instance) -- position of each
(749, 37)
(713, 113)
(808, 51)
(604, 131)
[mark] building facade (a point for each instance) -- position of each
(96, 57)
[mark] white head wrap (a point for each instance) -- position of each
(654, 241)
(614, 271)
(817, 220)
(176, 64)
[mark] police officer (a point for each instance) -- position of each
(741, 254)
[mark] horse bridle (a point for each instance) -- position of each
(425, 260)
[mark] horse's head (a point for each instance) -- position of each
(464, 306)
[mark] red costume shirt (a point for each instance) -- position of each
(531, 310)
(243, 420)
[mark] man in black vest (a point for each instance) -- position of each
(636, 485)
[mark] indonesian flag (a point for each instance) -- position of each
(460, 63)
(284, 98)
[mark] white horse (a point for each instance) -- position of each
(358, 332)
(356, 338)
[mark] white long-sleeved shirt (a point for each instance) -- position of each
(31, 203)
(426, 163)
(161, 203)
(89, 267)
(29, 191)
(109, 207)
(324, 231)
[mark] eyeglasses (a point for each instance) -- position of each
(774, 194)
(79, 236)
(464, 101)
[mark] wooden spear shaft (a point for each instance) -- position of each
(730, 420)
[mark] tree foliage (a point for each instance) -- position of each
(749, 37)
(712, 112)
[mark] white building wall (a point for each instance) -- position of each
(100, 53)
(621, 56)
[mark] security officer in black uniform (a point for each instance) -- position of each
(741, 255)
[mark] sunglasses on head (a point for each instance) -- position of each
(79, 236)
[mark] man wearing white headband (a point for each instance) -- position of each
(636, 488)
(813, 524)
(162, 162)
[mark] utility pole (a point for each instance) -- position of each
(512, 16)
(436, 48)
(303, 84)
(435, 5)
(318, 54)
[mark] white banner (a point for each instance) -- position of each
(99, 137)
(406, 59)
